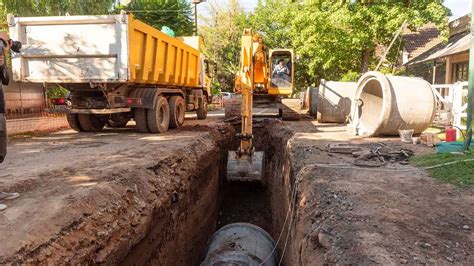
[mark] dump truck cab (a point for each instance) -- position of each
(207, 74)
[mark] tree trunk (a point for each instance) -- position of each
(365, 60)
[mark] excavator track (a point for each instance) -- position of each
(290, 109)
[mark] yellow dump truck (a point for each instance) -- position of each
(116, 68)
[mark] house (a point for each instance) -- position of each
(417, 42)
(445, 62)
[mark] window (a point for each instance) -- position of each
(281, 71)
(460, 72)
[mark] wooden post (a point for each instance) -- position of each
(447, 77)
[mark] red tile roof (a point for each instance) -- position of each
(420, 41)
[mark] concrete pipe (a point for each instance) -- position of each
(241, 244)
(335, 101)
(384, 104)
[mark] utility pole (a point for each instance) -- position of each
(470, 94)
(195, 3)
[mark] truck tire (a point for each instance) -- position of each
(73, 121)
(91, 122)
(117, 120)
(141, 121)
(159, 117)
(202, 112)
(177, 111)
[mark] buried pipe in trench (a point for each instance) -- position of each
(241, 244)
(385, 104)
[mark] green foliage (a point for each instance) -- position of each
(215, 88)
(55, 7)
(176, 14)
(460, 173)
(350, 76)
(332, 39)
(222, 32)
(56, 92)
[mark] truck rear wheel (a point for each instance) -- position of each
(202, 111)
(141, 121)
(73, 121)
(177, 111)
(159, 117)
(91, 122)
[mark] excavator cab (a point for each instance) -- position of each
(282, 72)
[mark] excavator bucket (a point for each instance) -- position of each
(246, 168)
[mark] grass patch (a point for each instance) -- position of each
(460, 173)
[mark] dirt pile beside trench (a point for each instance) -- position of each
(147, 200)
(375, 215)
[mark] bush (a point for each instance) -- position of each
(57, 92)
(350, 76)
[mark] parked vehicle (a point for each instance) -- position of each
(116, 68)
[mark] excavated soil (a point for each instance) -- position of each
(372, 215)
(115, 197)
(124, 197)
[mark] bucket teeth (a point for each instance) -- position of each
(246, 168)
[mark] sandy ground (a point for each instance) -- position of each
(80, 192)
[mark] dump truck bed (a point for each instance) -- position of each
(101, 49)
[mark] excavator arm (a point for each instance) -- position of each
(245, 164)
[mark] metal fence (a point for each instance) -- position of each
(32, 115)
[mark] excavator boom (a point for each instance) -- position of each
(245, 164)
(270, 77)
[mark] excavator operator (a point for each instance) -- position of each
(281, 74)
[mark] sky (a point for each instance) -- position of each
(458, 7)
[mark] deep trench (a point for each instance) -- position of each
(180, 235)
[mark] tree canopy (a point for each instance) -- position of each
(333, 40)
(56, 7)
(221, 31)
(176, 14)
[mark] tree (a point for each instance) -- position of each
(56, 7)
(332, 38)
(222, 32)
(176, 14)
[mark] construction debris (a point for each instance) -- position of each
(380, 154)
(377, 155)
(345, 148)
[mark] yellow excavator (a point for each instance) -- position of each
(263, 80)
